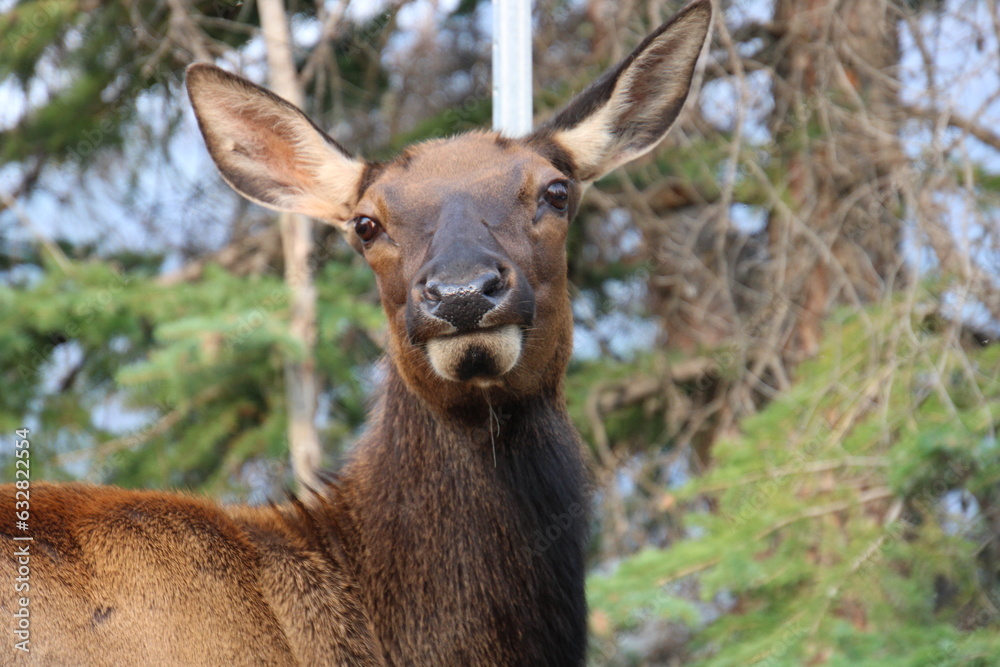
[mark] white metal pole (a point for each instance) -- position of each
(512, 67)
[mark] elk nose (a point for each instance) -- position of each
(464, 303)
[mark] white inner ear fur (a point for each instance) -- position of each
(593, 145)
(329, 191)
(589, 141)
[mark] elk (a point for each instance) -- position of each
(454, 533)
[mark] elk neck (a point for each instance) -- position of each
(470, 526)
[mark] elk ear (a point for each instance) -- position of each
(630, 108)
(269, 151)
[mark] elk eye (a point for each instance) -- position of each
(557, 195)
(366, 229)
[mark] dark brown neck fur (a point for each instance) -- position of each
(465, 560)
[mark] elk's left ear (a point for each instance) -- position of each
(630, 108)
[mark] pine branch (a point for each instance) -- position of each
(814, 512)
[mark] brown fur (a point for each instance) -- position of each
(141, 577)
(455, 533)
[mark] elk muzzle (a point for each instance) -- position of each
(469, 306)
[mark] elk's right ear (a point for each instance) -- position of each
(630, 108)
(269, 151)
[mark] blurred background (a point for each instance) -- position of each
(785, 367)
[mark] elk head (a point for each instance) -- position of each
(466, 235)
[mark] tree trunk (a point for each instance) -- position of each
(835, 124)
(301, 386)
